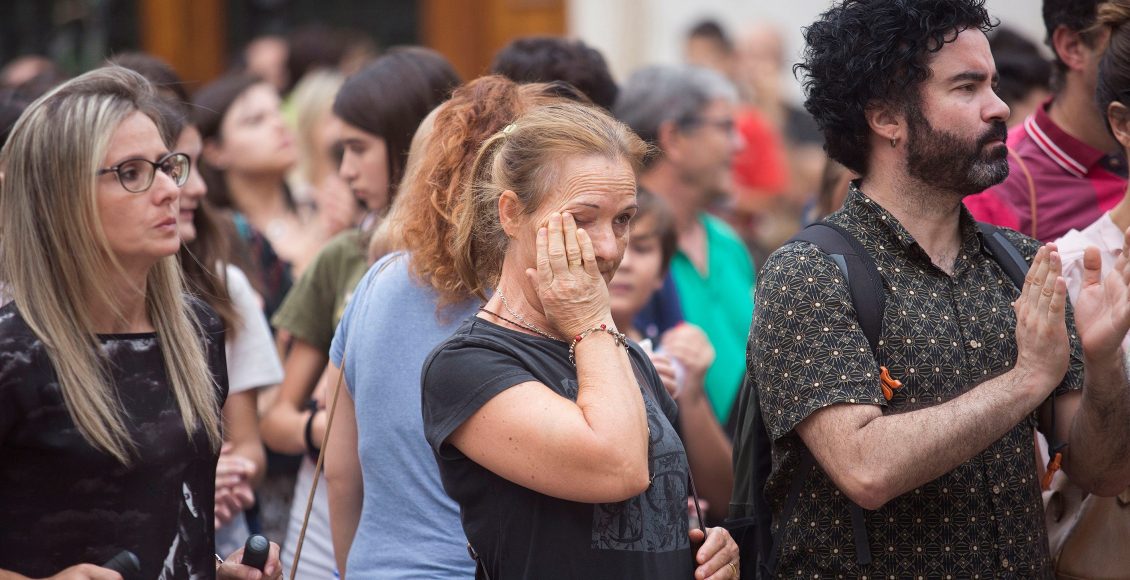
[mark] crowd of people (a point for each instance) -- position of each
(542, 324)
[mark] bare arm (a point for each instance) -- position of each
(343, 477)
(1099, 419)
(847, 439)
(78, 572)
(284, 423)
(593, 450)
(241, 425)
(709, 450)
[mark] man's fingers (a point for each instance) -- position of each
(1058, 302)
(1031, 287)
(1047, 290)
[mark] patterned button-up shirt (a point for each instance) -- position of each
(942, 335)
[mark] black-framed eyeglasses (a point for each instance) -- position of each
(136, 175)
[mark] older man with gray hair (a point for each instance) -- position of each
(687, 114)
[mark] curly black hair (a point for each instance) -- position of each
(543, 59)
(866, 52)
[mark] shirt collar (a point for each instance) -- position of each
(888, 228)
(1071, 154)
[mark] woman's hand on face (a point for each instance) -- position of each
(717, 557)
(232, 569)
(574, 296)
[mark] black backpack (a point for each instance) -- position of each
(751, 523)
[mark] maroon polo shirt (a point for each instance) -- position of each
(1074, 183)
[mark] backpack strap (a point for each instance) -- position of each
(1005, 253)
(869, 297)
(868, 294)
(796, 487)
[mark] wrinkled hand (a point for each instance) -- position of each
(715, 555)
(1102, 308)
(231, 569)
(1041, 329)
(574, 296)
(689, 345)
(86, 572)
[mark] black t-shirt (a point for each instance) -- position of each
(64, 502)
(520, 533)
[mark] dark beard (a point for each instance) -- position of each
(948, 162)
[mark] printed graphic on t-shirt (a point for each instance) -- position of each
(654, 521)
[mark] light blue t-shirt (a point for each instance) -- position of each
(409, 527)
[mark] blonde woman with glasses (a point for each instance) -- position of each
(111, 379)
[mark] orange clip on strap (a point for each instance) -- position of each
(1053, 466)
(888, 384)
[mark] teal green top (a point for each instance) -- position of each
(722, 304)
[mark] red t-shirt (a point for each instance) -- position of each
(759, 169)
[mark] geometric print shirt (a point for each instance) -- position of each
(942, 335)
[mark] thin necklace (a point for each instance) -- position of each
(521, 320)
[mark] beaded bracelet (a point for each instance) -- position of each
(619, 337)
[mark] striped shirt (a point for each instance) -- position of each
(1073, 183)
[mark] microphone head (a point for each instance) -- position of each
(125, 563)
(256, 551)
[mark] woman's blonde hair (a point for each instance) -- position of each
(313, 101)
(423, 218)
(525, 157)
(56, 260)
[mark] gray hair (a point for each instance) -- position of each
(657, 94)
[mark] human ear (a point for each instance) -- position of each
(1119, 117)
(509, 213)
(887, 122)
(1069, 46)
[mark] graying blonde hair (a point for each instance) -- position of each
(525, 157)
(56, 260)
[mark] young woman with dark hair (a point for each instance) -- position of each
(380, 108)
(248, 150)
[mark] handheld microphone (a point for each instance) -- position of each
(255, 552)
(126, 564)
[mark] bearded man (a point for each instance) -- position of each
(941, 471)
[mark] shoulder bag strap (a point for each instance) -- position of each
(318, 465)
(1031, 187)
(869, 297)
